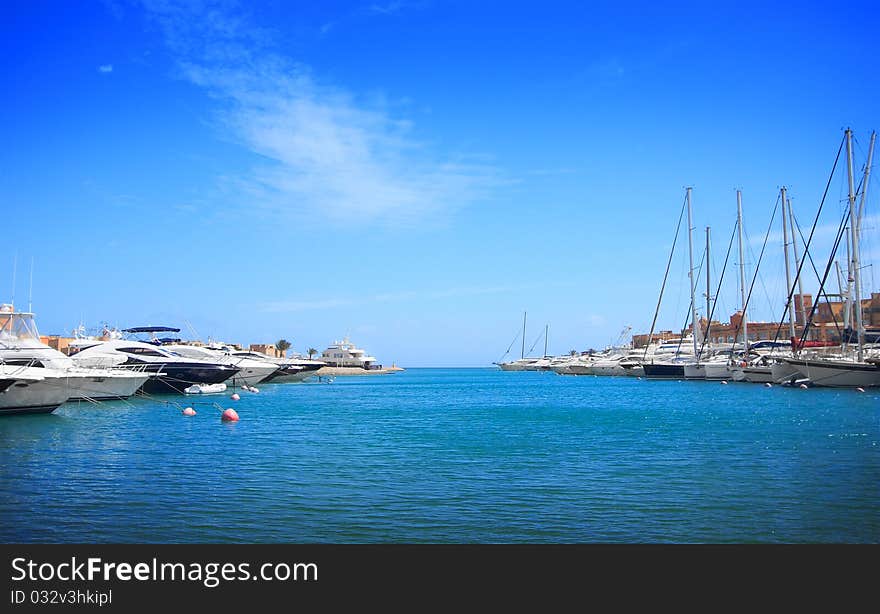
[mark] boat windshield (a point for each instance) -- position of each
(18, 327)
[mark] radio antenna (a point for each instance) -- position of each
(31, 288)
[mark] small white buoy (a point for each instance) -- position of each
(768, 385)
(189, 411)
(804, 386)
(235, 396)
(724, 381)
(254, 389)
(860, 389)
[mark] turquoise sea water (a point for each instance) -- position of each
(452, 455)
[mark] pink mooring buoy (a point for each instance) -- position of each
(189, 411)
(230, 415)
(235, 396)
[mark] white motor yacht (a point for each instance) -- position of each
(636, 357)
(251, 372)
(20, 345)
(172, 373)
(583, 365)
(31, 390)
(345, 354)
(608, 365)
(560, 364)
(294, 369)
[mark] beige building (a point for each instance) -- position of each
(827, 323)
(266, 348)
(62, 344)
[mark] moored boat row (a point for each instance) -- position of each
(818, 350)
(36, 378)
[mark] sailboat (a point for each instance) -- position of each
(857, 369)
(528, 364)
(698, 369)
(671, 366)
(765, 362)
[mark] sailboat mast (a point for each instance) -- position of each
(854, 241)
(858, 226)
(742, 269)
(14, 271)
(31, 288)
(522, 353)
(708, 287)
(797, 263)
(865, 181)
(546, 332)
(784, 197)
(691, 272)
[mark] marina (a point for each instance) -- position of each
(437, 273)
(38, 378)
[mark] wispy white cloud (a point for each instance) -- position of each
(105, 68)
(323, 149)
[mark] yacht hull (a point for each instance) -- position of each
(251, 376)
(719, 371)
(105, 386)
(580, 370)
(695, 371)
(174, 379)
(291, 376)
(782, 372)
(35, 409)
(758, 375)
(634, 371)
(614, 370)
(663, 371)
(737, 373)
(837, 373)
(41, 397)
(295, 372)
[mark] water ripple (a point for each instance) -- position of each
(452, 455)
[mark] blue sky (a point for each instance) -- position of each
(414, 174)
